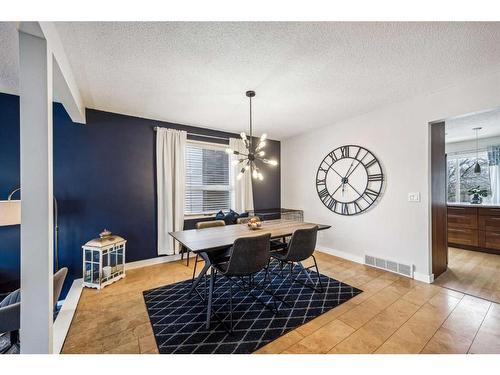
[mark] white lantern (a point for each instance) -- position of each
(103, 260)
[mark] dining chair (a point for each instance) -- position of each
(249, 255)
(300, 248)
(223, 253)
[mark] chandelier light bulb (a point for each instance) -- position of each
(261, 145)
(252, 155)
(235, 162)
(240, 175)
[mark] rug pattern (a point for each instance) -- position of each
(178, 321)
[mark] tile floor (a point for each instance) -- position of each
(393, 315)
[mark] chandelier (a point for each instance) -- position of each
(254, 152)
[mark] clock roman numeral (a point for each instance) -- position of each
(357, 207)
(332, 156)
(370, 163)
(375, 177)
(357, 153)
(320, 181)
(344, 150)
(345, 209)
(323, 193)
(372, 195)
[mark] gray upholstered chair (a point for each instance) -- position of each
(59, 278)
(300, 248)
(10, 317)
(249, 255)
(10, 308)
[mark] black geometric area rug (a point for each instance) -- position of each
(178, 320)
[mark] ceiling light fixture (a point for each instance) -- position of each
(253, 153)
(477, 167)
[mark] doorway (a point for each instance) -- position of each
(465, 204)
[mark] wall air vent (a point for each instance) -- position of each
(389, 265)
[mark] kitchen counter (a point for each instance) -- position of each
(466, 204)
(474, 226)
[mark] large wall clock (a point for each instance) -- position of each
(349, 180)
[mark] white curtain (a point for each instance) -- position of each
(495, 183)
(170, 179)
(243, 195)
(494, 163)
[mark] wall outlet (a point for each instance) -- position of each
(413, 197)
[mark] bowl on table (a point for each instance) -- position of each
(254, 224)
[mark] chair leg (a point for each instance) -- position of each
(231, 307)
(194, 270)
(210, 295)
(317, 271)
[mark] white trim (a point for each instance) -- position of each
(153, 261)
(429, 279)
(341, 254)
(359, 259)
(65, 316)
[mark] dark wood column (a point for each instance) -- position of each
(438, 199)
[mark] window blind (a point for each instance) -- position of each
(208, 187)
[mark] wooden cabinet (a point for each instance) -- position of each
(474, 228)
(461, 236)
(462, 217)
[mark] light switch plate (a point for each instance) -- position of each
(414, 197)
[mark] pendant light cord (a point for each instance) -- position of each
(251, 136)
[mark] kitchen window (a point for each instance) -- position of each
(461, 177)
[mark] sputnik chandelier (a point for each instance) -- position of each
(254, 153)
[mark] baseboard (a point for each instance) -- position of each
(340, 254)
(360, 259)
(153, 261)
(429, 279)
(63, 321)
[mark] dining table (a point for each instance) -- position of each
(204, 241)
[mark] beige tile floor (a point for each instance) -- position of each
(393, 315)
(472, 272)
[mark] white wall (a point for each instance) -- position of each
(470, 145)
(398, 135)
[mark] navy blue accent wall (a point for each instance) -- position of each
(104, 177)
(9, 180)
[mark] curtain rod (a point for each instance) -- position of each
(196, 135)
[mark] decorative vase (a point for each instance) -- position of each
(476, 199)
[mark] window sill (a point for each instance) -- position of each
(199, 216)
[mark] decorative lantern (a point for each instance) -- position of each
(103, 260)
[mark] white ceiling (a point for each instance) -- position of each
(460, 129)
(306, 75)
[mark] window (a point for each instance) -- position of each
(461, 176)
(208, 187)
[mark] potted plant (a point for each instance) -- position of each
(477, 195)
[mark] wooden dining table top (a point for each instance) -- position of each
(200, 240)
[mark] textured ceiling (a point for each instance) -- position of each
(306, 75)
(460, 129)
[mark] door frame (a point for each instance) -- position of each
(438, 220)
